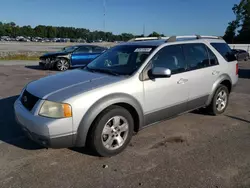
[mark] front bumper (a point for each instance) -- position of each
(48, 132)
(46, 64)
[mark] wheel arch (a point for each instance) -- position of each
(224, 79)
(121, 99)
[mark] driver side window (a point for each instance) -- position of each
(83, 49)
(170, 57)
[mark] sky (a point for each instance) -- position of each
(170, 17)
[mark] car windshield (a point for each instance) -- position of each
(69, 49)
(121, 60)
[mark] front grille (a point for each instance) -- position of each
(28, 100)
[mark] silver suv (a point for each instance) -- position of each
(130, 86)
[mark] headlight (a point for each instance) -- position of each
(55, 110)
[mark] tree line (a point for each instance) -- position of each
(13, 30)
(238, 30)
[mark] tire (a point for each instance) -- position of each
(217, 101)
(103, 140)
(62, 64)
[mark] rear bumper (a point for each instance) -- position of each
(48, 132)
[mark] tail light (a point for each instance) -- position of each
(237, 68)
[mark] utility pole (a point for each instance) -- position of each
(144, 30)
(104, 17)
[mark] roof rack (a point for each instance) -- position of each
(147, 38)
(174, 38)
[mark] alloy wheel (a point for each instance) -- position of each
(62, 65)
(221, 100)
(115, 133)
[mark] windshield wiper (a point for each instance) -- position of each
(102, 71)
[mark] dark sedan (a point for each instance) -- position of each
(241, 54)
(72, 56)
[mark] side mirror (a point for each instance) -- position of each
(160, 72)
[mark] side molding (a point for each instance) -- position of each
(98, 107)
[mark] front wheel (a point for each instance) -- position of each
(112, 131)
(220, 101)
(62, 64)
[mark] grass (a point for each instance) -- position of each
(19, 57)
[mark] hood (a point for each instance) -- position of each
(54, 54)
(61, 86)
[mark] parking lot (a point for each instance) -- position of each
(192, 150)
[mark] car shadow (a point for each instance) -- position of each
(10, 131)
(201, 111)
(244, 73)
(237, 118)
(85, 151)
(34, 67)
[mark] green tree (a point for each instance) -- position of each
(231, 32)
(154, 34)
(239, 29)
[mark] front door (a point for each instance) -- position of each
(167, 97)
(82, 56)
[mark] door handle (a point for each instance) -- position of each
(182, 81)
(215, 72)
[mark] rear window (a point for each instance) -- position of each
(225, 51)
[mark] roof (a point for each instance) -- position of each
(79, 45)
(154, 41)
(146, 43)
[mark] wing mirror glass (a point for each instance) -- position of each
(160, 72)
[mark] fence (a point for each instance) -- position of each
(241, 46)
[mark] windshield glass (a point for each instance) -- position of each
(122, 60)
(69, 49)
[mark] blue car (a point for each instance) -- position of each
(71, 56)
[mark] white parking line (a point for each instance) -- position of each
(13, 139)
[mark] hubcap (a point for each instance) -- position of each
(115, 132)
(221, 100)
(62, 65)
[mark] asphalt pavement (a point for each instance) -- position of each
(192, 150)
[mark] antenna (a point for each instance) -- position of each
(104, 15)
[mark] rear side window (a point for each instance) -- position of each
(212, 57)
(225, 51)
(196, 55)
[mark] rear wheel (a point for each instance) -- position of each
(62, 64)
(247, 58)
(112, 131)
(219, 102)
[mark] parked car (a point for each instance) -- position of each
(129, 87)
(241, 54)
(71, 56)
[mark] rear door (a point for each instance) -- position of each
(82, 56)
(203, 72)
